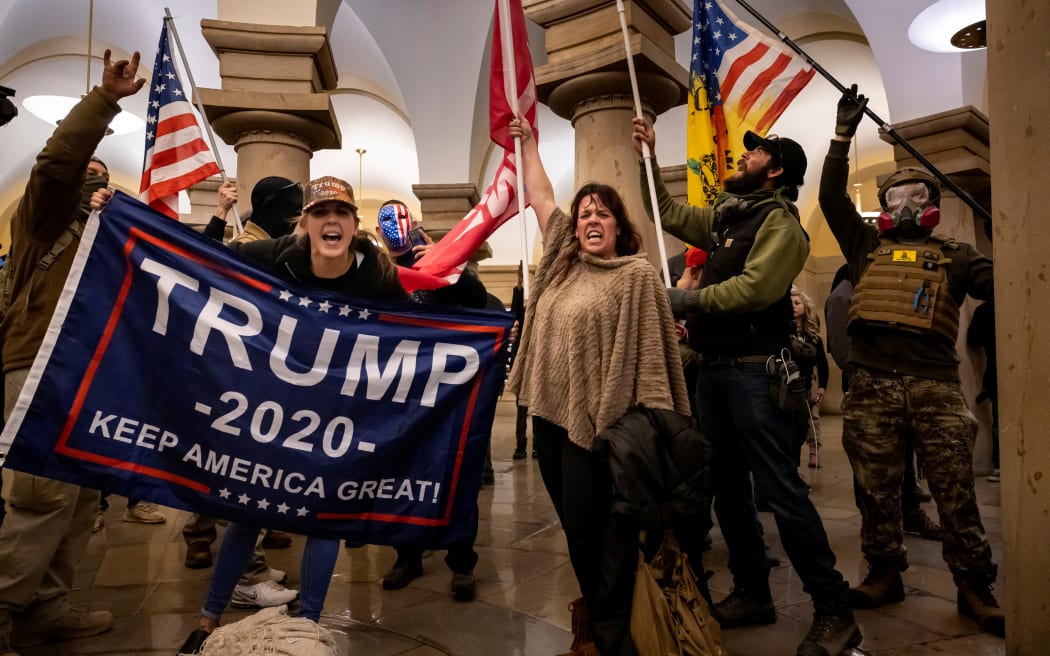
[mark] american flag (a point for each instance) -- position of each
(740, 80)
(176, 155)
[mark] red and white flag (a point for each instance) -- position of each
(499, 202)
(176, 155)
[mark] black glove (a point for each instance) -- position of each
(851, 111)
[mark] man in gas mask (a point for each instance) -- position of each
(903, 326)
(49, 522)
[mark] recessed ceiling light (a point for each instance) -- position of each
(53, 109)
(936, 28)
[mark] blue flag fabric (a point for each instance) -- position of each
(177, 372)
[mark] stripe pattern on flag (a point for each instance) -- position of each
(740, 80)
(176, 155)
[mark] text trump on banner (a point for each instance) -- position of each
(175, 371)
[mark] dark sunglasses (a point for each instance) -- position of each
(778, 153)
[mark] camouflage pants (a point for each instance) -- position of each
(879, 412)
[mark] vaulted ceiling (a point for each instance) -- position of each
(413, 85)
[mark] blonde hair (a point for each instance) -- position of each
(810, 321)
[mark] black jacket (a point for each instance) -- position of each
(658, 459)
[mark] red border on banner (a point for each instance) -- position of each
(134, 235)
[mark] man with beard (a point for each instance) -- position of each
(49, 522)
(903, 326)
(740, 322)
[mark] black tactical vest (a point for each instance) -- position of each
(747, 333)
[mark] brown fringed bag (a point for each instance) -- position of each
(669, 617)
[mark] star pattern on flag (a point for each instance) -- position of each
(302, 511)
(323, 307)
(282, 508)
(243, 499)
(224, 493)
(263, 504)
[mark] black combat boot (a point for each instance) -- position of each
(834, 630)
(743, 607)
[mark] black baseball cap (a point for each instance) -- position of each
(786, 152)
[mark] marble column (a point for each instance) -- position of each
(272, 107)
(442, 206)
(585, 80)
(1019, 98)
(956, 142)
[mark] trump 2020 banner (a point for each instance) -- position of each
(177, 372)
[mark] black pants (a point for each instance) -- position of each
(460, 557)
(604, 552)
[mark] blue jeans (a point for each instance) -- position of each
(238, 543)
(750, 435)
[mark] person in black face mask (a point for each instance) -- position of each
(49, 522)
(903, 325)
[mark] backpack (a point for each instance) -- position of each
(7, 285)
(669, 615)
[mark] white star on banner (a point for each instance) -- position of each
(304, 301)
(324, 307)
(243, 499)
(263, 504)
(302, 512)
(733, 36)
(161, 87)
(344, 311)
(283, 508)
(285, 295)
(363, 314)
(224, 493)
(177, 92)
(166, 58)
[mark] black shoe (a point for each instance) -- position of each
(194, 643)
(834, 631)
(519, 454)
(402, 574)
(535, 456)
(741, 609)
(463, 586)
(276, 540)
(488, 478)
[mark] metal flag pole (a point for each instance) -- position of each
(238, 227)
(506, 36)
(646, 155)
(955, 189)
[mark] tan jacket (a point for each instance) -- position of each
(50, 205)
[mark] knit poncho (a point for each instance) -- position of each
(598, 340)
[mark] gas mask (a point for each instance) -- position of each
(907, 206)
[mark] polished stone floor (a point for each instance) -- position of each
(524, 582)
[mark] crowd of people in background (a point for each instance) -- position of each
(608, 358)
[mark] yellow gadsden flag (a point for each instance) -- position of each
(739, 80)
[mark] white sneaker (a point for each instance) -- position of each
(276, 575)
(262, 595)
(144, 512)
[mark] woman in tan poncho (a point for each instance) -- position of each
(599, 340)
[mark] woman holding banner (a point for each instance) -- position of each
(333, 256)
(599, 340)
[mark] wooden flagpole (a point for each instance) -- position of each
(237, 225)
(646, 155)
(506, 34)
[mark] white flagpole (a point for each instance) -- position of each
(238, 227)
(506, 35)
(646, 155)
